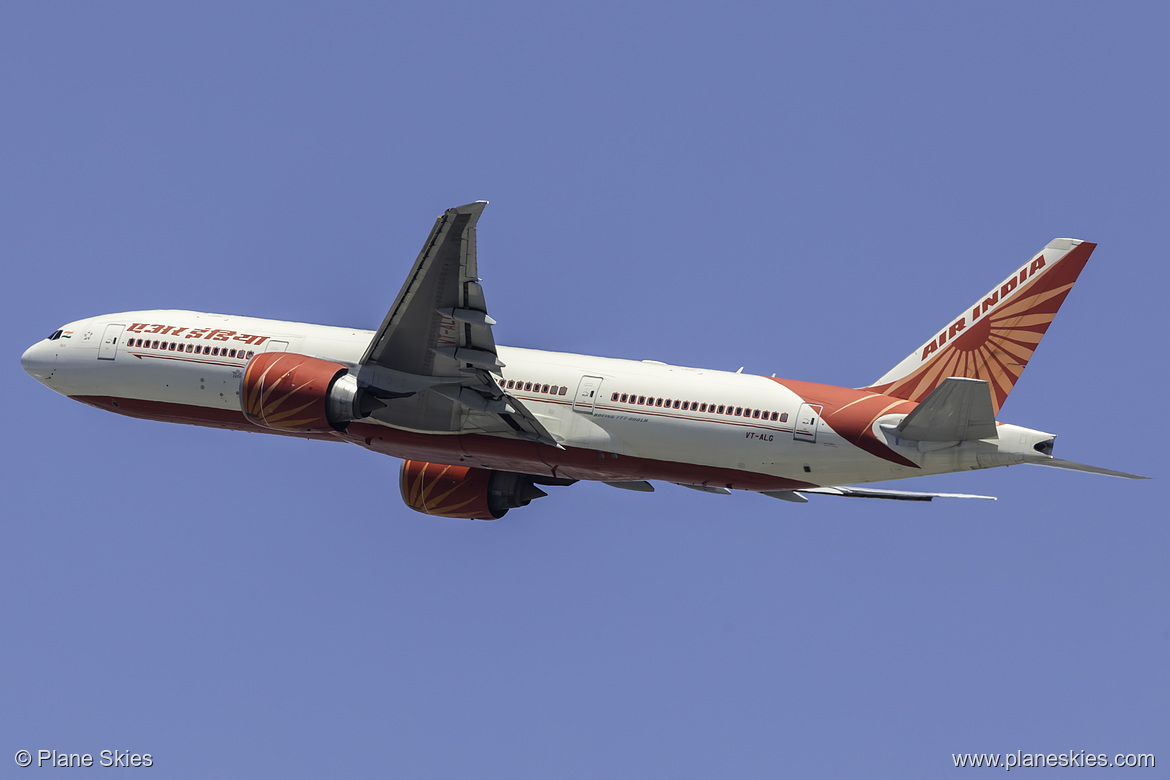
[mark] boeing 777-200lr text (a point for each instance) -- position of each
(483, 427)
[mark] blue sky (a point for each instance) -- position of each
(807, 190)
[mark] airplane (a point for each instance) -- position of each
(482, 428)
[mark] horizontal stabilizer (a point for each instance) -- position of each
(959, 409)
(893, 495)
(1057, 463)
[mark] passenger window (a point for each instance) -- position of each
(642, 399)
(756, 414)
(623, 398)
(563, 390)
(738, 411)
(784, 417)
(613, 397)
(685, 406)
(775, 415)
(544, 389)
(527, 385)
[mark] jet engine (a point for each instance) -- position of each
(465, 491)
(285, 391)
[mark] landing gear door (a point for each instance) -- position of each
(808, 417)
(586, 396)
(108, 350)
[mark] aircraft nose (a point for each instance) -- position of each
(39, 360)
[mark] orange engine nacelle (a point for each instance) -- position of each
(464, 491)
(285, 391)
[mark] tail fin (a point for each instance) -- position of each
(994, 339)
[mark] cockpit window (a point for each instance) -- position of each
(56, 335)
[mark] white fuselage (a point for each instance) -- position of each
(616, 420)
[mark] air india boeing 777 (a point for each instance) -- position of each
(481, 426)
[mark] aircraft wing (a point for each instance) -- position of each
(432, 361)
(797, 496)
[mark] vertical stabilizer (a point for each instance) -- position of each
(994, 338)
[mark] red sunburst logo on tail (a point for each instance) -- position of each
(994, 338)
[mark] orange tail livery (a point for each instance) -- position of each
(994, 338)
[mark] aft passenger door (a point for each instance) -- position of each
(807, 419)
(108, 349)
(586, 396)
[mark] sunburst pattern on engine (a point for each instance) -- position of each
(289, 392)
(447, 491)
